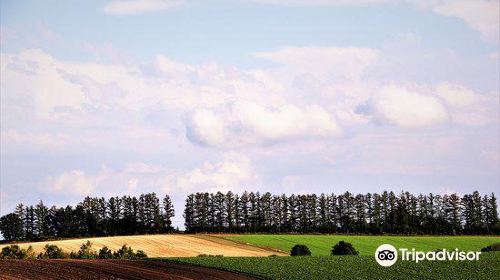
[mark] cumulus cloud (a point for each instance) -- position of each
(75, 182)
(480, 15)
(243, 123)
(457, 95)
(134, 7)
(324, 62)
(466, 106)
(106, 181)
(231, 174)
(408, 109)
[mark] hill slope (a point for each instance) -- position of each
(165, 245)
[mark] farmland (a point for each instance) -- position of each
(352, 267)
(250, 254)
(166, 245)
(320, 245)
(109, 269)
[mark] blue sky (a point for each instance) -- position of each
(123, 97)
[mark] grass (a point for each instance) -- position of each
(320, 245)
(351, 267)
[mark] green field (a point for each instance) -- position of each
(320, 245)
(352, 267)
(322, 266)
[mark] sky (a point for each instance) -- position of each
(106, 98)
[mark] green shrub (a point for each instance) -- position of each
(30, 254)
(491, 248)
(124, 252)
(86, 251)
(343, 248)
(300, 250)
(140, 254)
(105, 253)
(13, 252)
(54, 252)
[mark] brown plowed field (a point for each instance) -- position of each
(109, 269)
(162, 245)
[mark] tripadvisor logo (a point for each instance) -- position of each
(387, 255)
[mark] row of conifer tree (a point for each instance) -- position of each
(347, 213)
(91, 217)
(371, 213)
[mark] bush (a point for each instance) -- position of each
(30, 253)
(86, 251)
(124, 252)
(491, 248)
(54, 252)
(13, 252)
(300, 250)
(105, 253)
(140, 254)
(343, 248)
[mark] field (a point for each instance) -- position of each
(320, 245)
(352, 267)
(109, 269)
(250, 254)
(166, 245)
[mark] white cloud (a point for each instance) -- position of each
(324, 62)
(466, 106)
(231, 174)
(141, 168)
(480, 15)
(408, 109)
(243, 123)
(134, 7)
(457, 95)
(75, 182)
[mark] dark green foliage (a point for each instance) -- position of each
(11, 227)
(124, 252)
(140, 254)
(54, 252)
(300, 250)
(92, 217)
(385, 213)
(105, 253)
(86, 252)
(491, 248)
(343, 248)
(13, 252)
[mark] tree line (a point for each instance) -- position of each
(91, 217)
(371, 213)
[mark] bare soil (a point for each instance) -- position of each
(109, 269)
